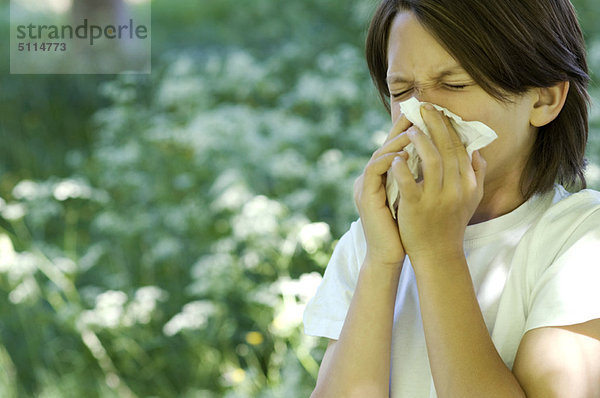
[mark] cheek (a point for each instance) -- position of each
(513, 145)
(474, 105)
(482, 111)
(474, 108)
(496, 122)
(495, 119)
(505, 139)
(512, 126)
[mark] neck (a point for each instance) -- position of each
(497, 200)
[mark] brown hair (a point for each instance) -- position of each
(507, 47)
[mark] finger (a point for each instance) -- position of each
(466, 171)
(375, 171)
(446, 140)
(438, 125)
(400, 125)
(396, 144)
(407, 185)
(465, 168)
(430, 156)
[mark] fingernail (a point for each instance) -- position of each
(429, 107)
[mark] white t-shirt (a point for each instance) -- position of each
(538, 265)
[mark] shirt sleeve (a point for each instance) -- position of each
(567, 292)
(325, 313)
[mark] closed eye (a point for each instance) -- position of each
(452, 87)
(455, 86)
(400, 94)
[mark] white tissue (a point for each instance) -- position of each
(474, 135)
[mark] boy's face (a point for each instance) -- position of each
(418, 66)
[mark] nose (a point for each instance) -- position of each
(424, 95)
(432, 96)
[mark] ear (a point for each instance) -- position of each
(548, 103)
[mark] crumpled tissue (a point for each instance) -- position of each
(474, 135)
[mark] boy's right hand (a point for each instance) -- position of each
(384, 244)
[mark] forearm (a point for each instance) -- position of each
(463, 359)
(359, 364)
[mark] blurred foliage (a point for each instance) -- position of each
(161, 234)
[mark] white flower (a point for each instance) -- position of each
(307, 286)
(250, 259)
(331, 157)
(70, 188)
(193, 316)
(150, 294)
(234, 192)
(112, 310)
(23, 266)
(310, 89)
(212, 265)
(233, 375)
(181, 90)
(241, 67)
(111, 298)
(142, 307)
(28, 190)
(287, 318)
(107, 313)
(259, 216)
(303, 288)
(13, 211)
(313, 236)
(8, 256)
(378, 138)
(288, 164)
(109, 308)
(296, 293)
(211, 272)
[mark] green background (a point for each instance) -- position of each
(159, 235)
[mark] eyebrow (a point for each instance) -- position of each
(453, 70)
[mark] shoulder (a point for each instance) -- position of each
(353, 242)
(569, 218)
(348, 254)
(569, 207)
(581, 201)
(563, 241)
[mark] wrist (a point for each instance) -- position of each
(389, 270)
(436, 261)
(384, 263)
